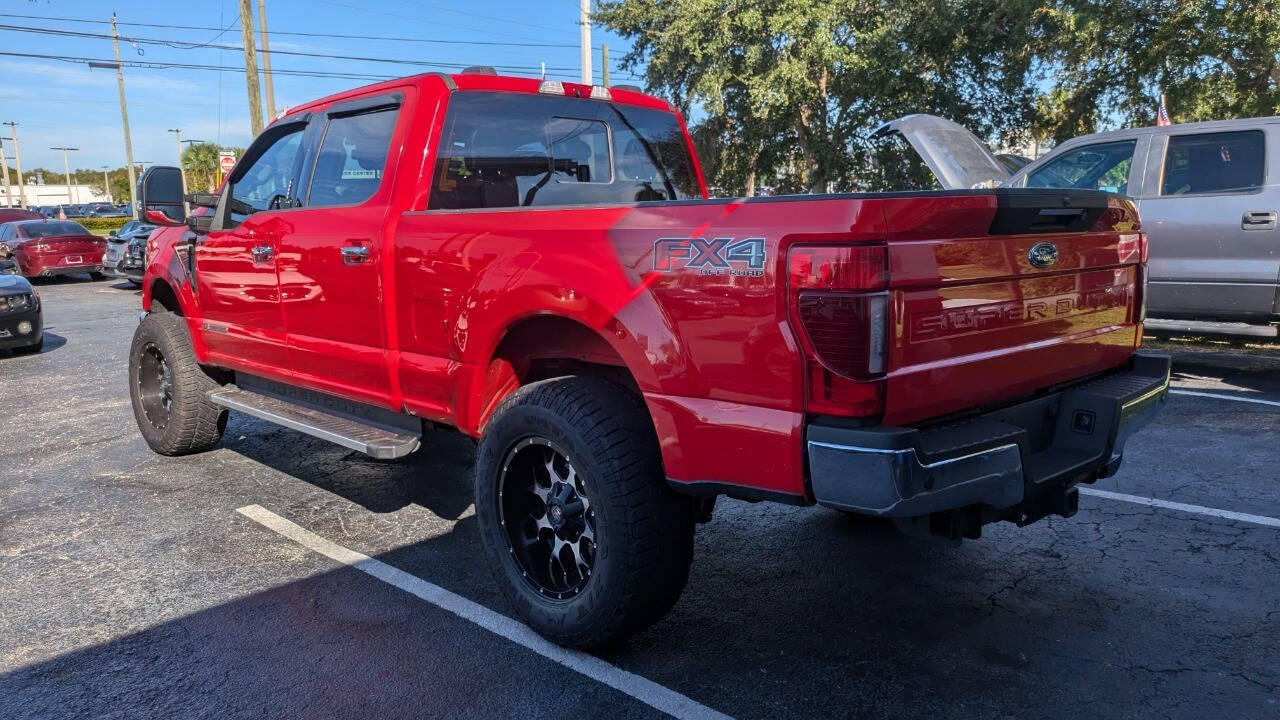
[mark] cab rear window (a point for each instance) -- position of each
(504, 150)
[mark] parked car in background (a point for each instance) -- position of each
(1208, 194)
(44, 248)
(104, 210)
(11, 214)
(21, 319)
(126, 253)
(53, 211)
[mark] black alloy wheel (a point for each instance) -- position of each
(547, 515)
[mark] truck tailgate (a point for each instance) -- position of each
(998, 296)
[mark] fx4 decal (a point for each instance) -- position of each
(717, 256)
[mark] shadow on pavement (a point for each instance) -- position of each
(430, 477)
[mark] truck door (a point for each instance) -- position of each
(236, 261)
(331, 260)
(1215, 252)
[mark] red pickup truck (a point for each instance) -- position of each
(537, 265)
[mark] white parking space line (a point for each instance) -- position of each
(1220, 396)
(1183, 507)
(642, 689)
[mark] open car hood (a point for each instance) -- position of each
(957, 158)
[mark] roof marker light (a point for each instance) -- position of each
(600, 93)
(551, 87)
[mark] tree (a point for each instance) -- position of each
(200, 163)
(792, 88)
(1214, 59)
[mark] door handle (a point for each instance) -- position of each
(1259, 220)
(262, 253)
(354, 254)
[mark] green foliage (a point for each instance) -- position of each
(102, 226)
(791, 88)
(1214, 59)
(785, 92)
(200, 164)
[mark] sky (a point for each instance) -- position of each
(58, 103)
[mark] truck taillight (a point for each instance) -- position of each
(1131, 247)
(841, 306)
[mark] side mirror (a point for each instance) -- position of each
(160, 194)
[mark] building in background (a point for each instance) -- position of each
(37, 195)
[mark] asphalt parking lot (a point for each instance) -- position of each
(133, 587)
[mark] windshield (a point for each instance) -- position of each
(44, 229)
(1104, 166)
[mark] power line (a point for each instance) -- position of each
(194, 66)
(181, 45)
(159, 65)
(288, 33)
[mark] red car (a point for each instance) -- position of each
(536, 264)
(44, 248)
(11, 214)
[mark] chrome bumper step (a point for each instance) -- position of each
(378, 442)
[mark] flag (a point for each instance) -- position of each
(1162, 115)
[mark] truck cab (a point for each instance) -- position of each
(536, 264)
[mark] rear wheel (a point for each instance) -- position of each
(98, 276)
(167, 387)
(588, 541)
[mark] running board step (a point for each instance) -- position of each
(378, 442)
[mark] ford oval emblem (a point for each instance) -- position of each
(1043, 254)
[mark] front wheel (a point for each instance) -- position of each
(168, 387)
(588, 541)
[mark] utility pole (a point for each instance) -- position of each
(584, 18)
(66, 168)
(604, 64)
(106, 184)
(124, 118)
(266, 60)
(251, 67)
(4, 168)
(17, 159)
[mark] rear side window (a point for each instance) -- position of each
(352, 158)
(503, 150)
(1214, 163)
(1104, 166)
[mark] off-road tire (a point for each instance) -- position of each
(194, 423)
(643, 529)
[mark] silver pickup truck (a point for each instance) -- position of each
(1208, 194)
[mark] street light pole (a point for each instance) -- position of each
(66, 167)
(17, 159)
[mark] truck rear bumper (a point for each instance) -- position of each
(1017, 463)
